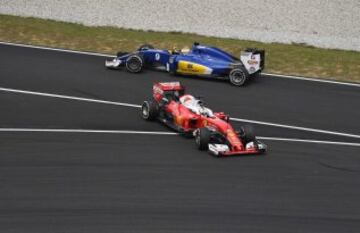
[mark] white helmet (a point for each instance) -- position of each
(185, 99)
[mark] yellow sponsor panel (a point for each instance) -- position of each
(186, 67)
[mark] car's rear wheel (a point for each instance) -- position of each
(237, 77)
(202, 138)
(248, 133)
(134, 63)
(149, 110)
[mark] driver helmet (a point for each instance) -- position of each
(185, 50)
(186, 99)
(176, 50)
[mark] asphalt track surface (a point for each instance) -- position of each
(93, 182)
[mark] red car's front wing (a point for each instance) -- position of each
(244, 152)
(223, 150)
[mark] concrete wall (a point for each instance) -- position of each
(322, 23)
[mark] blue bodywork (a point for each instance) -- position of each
(198, 60)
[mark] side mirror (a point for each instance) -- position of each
(164, 100)
(223, 116)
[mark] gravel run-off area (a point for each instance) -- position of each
(321, 23)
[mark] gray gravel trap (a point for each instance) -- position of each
(322, 23)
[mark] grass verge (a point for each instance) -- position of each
(290, 59)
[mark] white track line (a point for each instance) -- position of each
(297, 128)
(309, 141)
(312, 79)
(37, 130)
(68, 97)
(139, 106)
(57, 49)
(110, 55)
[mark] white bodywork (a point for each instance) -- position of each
(251, 61)
(218, 148)
(194, 105)
(251, 145)
(113, 64)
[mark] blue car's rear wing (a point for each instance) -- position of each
(261, 52)
(253, 60)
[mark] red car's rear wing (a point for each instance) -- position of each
(161, 90)
(169, 86)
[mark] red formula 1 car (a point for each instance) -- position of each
(188, 115)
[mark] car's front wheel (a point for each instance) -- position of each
(134, 63)
(248, 133)
(202, 138)
(145, 47)
(237, 77)
(149, 110)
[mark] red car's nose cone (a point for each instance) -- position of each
(234, 140)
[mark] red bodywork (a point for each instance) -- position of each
(188, 121)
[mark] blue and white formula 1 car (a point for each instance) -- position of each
(200, 60)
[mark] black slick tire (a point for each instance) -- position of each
(134, 63)
(202, 138)
(249, 134)
(149, 110)
(237, 77)
(145, 47)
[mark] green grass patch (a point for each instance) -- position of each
(291, 59)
